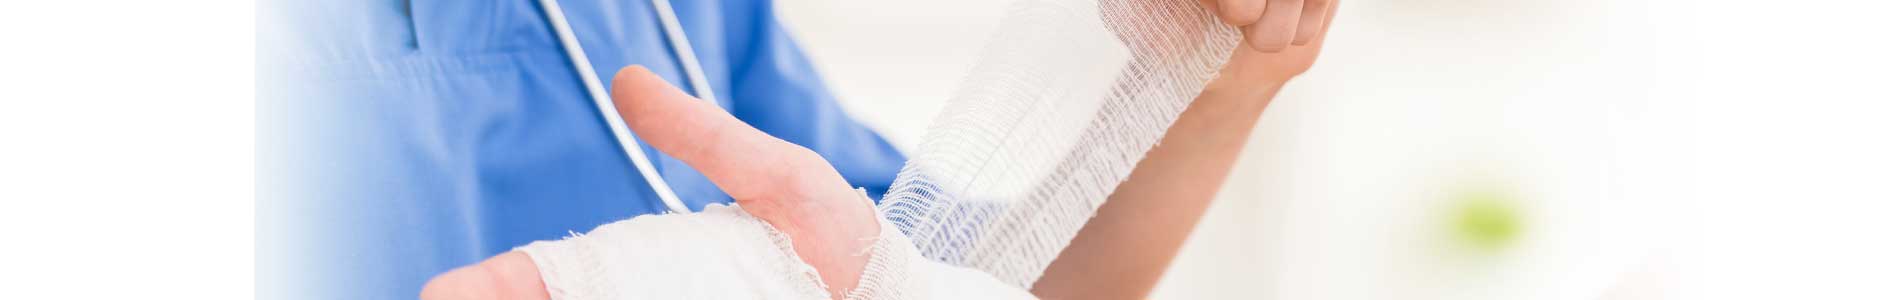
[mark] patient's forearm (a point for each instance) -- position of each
(1122, 252)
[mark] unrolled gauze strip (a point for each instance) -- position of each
(1062, 104)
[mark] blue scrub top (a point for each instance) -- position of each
(400, 139)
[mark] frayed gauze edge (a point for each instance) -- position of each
(723, 252)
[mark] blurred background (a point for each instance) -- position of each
(1439, 149)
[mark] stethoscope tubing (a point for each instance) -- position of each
(682, 50)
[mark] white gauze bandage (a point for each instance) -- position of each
(1063, 103)
(725, 253)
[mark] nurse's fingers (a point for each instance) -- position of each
(1275, 30)
(743, 161)
(511, 275)
(1312, 20)
(1241, 12)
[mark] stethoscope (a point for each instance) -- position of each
(682, 50)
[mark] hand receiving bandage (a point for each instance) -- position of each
(803, 232)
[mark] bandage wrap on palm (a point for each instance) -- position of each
(725, 253)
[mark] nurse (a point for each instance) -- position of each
(418, 136)
(402, 139)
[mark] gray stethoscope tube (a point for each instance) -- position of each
(676, 36)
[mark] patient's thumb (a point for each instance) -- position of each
(508, 276)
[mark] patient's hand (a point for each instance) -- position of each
(788, 186)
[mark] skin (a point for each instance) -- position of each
(788, 186)
(1120, 253)
(1123, 251)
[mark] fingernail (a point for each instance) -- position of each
(1262, 44)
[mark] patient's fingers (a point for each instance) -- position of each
(744, 162)
(508, 276)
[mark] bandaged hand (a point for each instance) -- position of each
(830, 225)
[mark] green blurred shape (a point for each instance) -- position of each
(1486, 220)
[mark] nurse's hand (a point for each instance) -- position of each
(1281, 40)
(1279, 46)
(1123, 251)
(788, 186)
(1273, 25)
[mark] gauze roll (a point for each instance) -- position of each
(1059, 108)
(724, 253)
